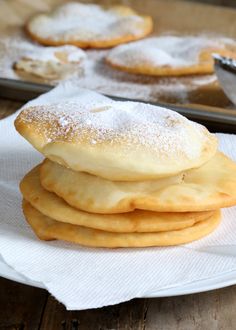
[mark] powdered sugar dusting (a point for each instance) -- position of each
(174, 51)
(128, 124)
(71, 54)
(99, 76)
(77, 21)
(15, 47)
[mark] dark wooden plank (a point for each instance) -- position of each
(21, 306)
(129, 315)
(213, 310)
(228, 3)
(8, 107)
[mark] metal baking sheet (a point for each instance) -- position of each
(224, 120)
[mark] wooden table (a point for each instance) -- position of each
(26, 308)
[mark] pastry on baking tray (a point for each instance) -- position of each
(170, 55)
(88, 25)
(51, 62)
(119, 141)
(48, 229)
(209, 187)
(55, 207)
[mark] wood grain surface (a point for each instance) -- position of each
(8, 107)
(27, 308)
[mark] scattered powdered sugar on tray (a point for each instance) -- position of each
(131, 125)
(99, 76)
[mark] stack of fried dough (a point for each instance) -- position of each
(122, 174)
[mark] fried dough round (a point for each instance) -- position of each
(50, 62)
(48, 229)
(171, 55)
(210, 187)
(56, 208)
(119, 141)
(88, 25)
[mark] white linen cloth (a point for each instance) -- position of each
(83, 278)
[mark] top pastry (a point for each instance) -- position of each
(171, 55)
(88, 25)
(119, 141)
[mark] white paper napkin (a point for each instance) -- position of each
(83, 278)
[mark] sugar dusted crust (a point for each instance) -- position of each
(127, 141)
(171, 55)
(51, 62)
(94, 26)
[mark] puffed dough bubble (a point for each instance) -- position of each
(48, 229)
(88, 25)
(119, 141)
